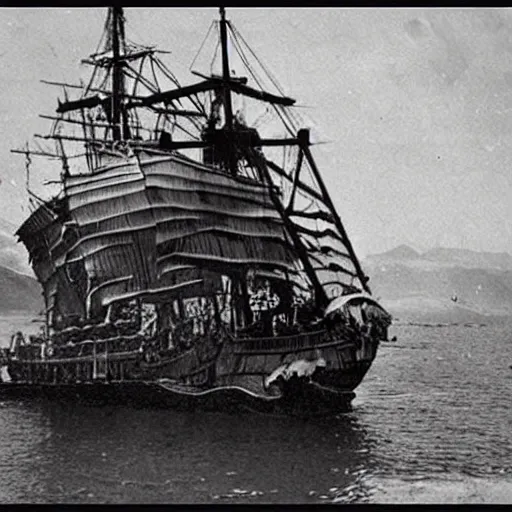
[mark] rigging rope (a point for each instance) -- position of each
(166, 71)
(106, 29)
(28, 161)
(242, 55)
(214, 56)
(274, 81)
(202, 45)
(245, 61)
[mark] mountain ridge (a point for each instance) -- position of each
(19, 292)
(438, 283)
(445, 256)
(12, 254)
(452, 284)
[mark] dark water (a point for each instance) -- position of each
(435, 405)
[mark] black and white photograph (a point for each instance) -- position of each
(256, 256)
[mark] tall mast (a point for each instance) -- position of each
(228, 108)
(117, 72)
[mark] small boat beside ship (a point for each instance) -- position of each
(181, 265)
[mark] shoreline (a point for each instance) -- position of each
(459, 489)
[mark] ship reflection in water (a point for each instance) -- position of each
(433, 413)
(113, 455)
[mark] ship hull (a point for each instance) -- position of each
(306, 374)
(306, 399)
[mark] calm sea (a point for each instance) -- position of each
(435, 409)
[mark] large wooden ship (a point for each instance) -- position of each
(181, 264)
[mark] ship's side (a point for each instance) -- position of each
(304, 374)
(128, 222)
(220, 282)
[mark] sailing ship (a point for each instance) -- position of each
(181, 265)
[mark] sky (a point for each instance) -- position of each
(415, 106)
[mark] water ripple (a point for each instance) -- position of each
(435, 408)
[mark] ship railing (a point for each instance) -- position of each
(96, 331)
(295, 342)
(113, 345)
(126, 343)
(271, 343)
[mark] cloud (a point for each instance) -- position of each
(417, 29)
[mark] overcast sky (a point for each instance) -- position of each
(416, 104)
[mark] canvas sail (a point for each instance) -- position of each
(154, 220)
(141, 219)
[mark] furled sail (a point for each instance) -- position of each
(45, 236)
(310, 210)
(156, 220)
(140, 219)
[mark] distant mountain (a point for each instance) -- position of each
(7, 227)
(470, 259)
(440, 284)
(400, 253)
(441, 256)
(19, 292)
(12, 254)
(449, 283)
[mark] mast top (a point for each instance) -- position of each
(228, 108)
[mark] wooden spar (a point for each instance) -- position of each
(228, 107)
(72, 86)
(37, 153)
(276, 142)
(175, 112)
(186, 144)
(298, 167)
(239, 79)
(259, 143)
(88, 154)
(101, 61)
(325, 249)
(85, 123)
(281, 172)
(95, 101)
(261, 95)
(336, 267)
(174, 94)
(210, 85)
(303, 137)
(117, 72)
(91, 89)
(155, 78)
(136, 81)
(57, 118)
(239, 85)
(173, 79)
(91, 102)
(320, 294)
(318, 215)
(69, 137)
(65, 164)
(320, 234)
